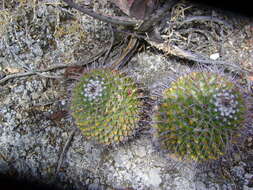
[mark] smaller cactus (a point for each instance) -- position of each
(106, 106)
(198, 115)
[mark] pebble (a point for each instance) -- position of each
(215, 56)
(184, 184)
(238, 171)
(154, 177)
(141, 151)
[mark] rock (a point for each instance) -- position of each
(154, 177)
(95, 187)
(215, 56)
(200, 185)
(238, 171)
(237, 157)
(37, 50)
(4, 167)
(248, 175)
(140, 151)
(245, 187)
(181, 184)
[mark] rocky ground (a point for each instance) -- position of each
(35, 124)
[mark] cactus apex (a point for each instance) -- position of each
(106, 106)
(198, 115)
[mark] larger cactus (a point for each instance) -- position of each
(198, 115)
(106, 106)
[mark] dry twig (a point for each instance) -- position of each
(54, 67)
(111, 45)
(205, 18)
(156, 17)
(176, 51)
(123, 21)
(65, 148)
(127, 53)
(145, 26)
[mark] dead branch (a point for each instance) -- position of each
(54, 67)
(111, 45)
(65, 148)
(176, 51)
(206, 18)
(199, 58)
(139, 36)
(116, 21)
(156, 17)
(127, 53)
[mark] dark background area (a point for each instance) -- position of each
(13, 183)
(241, 7)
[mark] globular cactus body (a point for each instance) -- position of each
(106, 106)
(198, 115)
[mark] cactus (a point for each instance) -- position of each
(198, 114)
(106, 106)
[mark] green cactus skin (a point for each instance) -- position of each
(198, 115)
(106, 106)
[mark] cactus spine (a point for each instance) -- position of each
(106, 106)
(198, 115)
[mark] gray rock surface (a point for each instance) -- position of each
(124, 167)
(31, 144)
